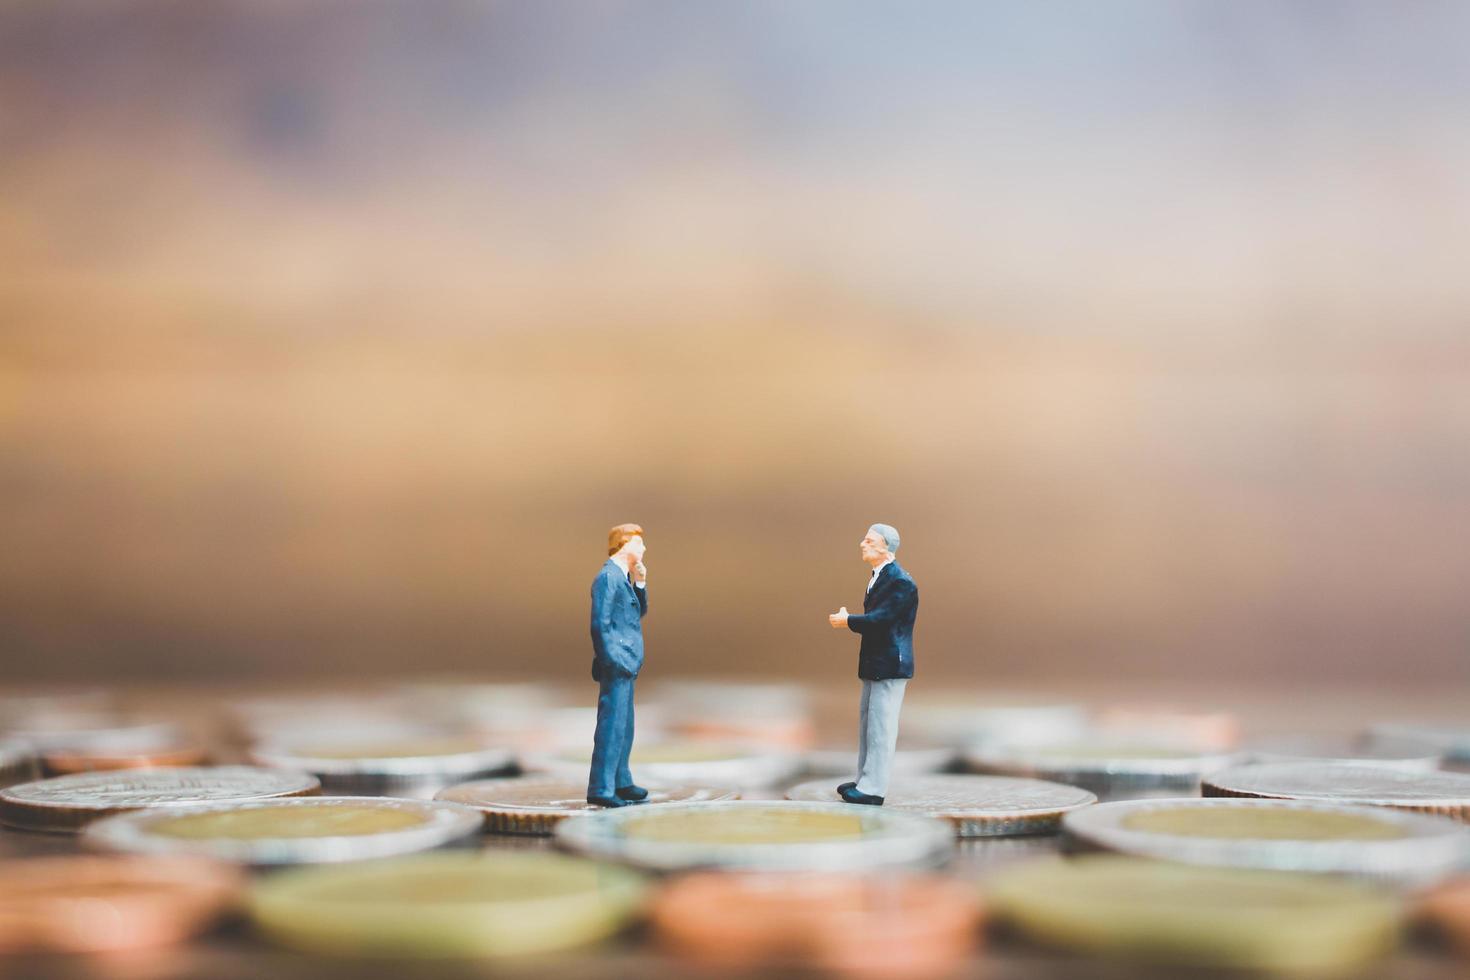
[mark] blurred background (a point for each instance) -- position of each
(334, 336)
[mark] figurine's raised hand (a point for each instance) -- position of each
(838, 619)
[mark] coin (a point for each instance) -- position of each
(300, 830)
(687, 762)
(400, 766)
(778, 715)
(1196, 916)
(1444, 793)
(772, 836)
(1448, 908)
(17, 763)
(1410, 757)
(66, 803)
(63, 762)
(447, 904)
(895, 925)
(536, 804)
(94, 904)
(1206, 731)
(962, 721)
(1112, 770)
(104, 733)
(976, 806)
(1285, 835)
(908, 760)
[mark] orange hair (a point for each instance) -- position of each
(620, 536)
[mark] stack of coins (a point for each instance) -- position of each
(1283, 835)
(777, 715)
(447, 904)
(1444, 793)
(1196, 916)
(536, 804)
(1114, 771)
(65, 804)
(299, 830)
(743, 767)
(412, 765)
(910, 926)
(769, 836)
(976, 806)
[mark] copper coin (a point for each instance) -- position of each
(103, 904)
(63, 763)
(890, 926)
(1448, 908)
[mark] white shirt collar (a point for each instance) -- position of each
(877, 570)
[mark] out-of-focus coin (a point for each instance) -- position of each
(908, 760)
(296, 717)
(743, 767)
(1281, 835)
(17, 763)
(767, 836)
(1112, 770)
(536, 804)
(447, 904)
(1196, 916)
(1448, 908)
(963, 721)
(300, 830)
(1444, 793)
(778, 715)
(1413, 758)
(1206, 731)
(65, 762)
(523, 717)
(1451, 741)
(98, 734)
(976, 806)
(415, 766)
(90, 904)
(67, 803)
(901, 925)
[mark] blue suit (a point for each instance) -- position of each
(886, 625)
(618, 608)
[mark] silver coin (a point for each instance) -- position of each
(244, 832)
(536, 804)
(672, 763)
(976, 806)
(907, 760)
(1451, 741)
(65, 803)
(993, 720)
(1412, 758)
(1444, 793)
(1112, 771)
(1387, 845)
(418, 765)
(760, 835)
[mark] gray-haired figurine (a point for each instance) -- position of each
(885, 661)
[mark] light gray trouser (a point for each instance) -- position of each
(878, 733)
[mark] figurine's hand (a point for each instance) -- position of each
(838, 619)
(640, 574)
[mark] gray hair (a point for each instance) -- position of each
(889, 534)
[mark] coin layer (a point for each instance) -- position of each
(976, 806)
(1112, 771)
(1284, 835)
(536, 804)
(1443, 793)
(411, 766)
(66, 803)
(776, 835)
(447, 904)
(301, 830)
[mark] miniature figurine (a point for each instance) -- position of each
(619, 603)
(885, 661)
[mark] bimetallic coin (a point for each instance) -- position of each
(536, 804)
(17, 764)
(769, 836)
(1114, 771)
(743, 767)
(489, 904)
(1444, 793)
(908, 760)
(1451, 741)
(976, 806)
(1196, 916)
(407, 766)
(1410, 757)
(1280, 835)
(66, 803)
(301, 830)
(894, 925)
(96, 904)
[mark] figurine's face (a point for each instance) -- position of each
(634, 547)
(873, 546)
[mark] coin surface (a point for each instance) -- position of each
(1112, 770)
(1196, 916)
(93, 904)
(895, 925)
(1287, 835)
(397, 766)
(1414, 757)
(1444, 793)
(908, 760)
(66, 803)
(696, 763)
(775, 835)
(447, 904)
(536, 804)
(298, 830)
(976, 806)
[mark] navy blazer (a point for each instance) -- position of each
(887, 626)
(618, 608)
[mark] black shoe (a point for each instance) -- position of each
(632, 793)
(845, 787)
(853, 796)
(607, 801)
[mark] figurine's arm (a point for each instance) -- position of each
(899, 597)
(641, 590)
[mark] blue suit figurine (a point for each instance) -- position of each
(885, 661)
(619, 603)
